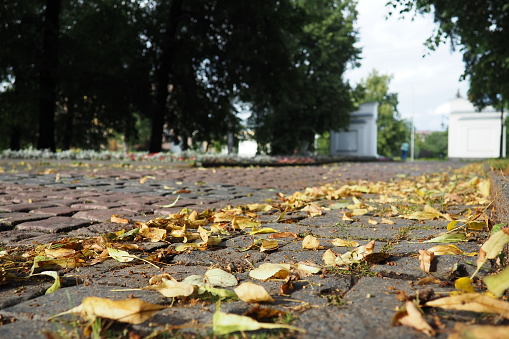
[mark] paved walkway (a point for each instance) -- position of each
(44, 203)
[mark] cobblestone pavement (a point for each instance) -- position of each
(43, 203)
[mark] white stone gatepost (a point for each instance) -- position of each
(360, 138)
(474, 134)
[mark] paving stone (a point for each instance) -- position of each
(9, 220)
(100, 215)
(55, 211)
(25, 207)
(52, 225)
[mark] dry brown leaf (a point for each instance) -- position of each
(153, 233)
(387, 221)
(329, 258)
(118, 220)
(463, 331)
(172, 289)
(344, 243)
(252, 293)
(311, 243)
(425, 260)
(313, 209)
(474, 302)
(59, 252)
(412, 317)
(132, 311)
(283, 235)
(269, 270)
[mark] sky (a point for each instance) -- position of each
(395, 46)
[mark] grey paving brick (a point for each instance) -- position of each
(53, 224)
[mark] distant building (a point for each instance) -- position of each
(474, 134)
(359, 140)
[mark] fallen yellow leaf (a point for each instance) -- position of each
(252, 293)
(132, 311)
(474, 302)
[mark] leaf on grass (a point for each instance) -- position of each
(269, 270)
(344, 243)
(172, 289)
(474, 302)
(252, 293)
(226, 323)
(132, 311)
(411, 316)
(213, 277)
(311, 243)
(425, 260)
(498, 283)
(56, 285)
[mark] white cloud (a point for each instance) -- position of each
(395, 46)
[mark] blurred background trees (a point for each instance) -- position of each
(74, 74)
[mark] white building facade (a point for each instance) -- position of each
(475, 134)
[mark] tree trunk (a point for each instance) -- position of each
(48, 76)
(165, 65)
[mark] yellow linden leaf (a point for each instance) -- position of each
(464, 285)
(498, 283)
(474, 302)
(462, 331)
(172, 289)
(269, 270)
(359, 211)
(259, 207)
(310, 243)
(153, 233)
(356, 255)
(119, 255)
(484, 187)
(59, 252)
(387, 221)
(313, 209)
(264, 230)
(268, 245)
(226, 323)
(447, 249)
(329, 258)
(56, 285)
(252, 293)
(344, 243)
(132, 311)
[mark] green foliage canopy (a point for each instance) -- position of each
(182, 64)
(479, 29)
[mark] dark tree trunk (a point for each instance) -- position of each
(48, 76)
(15, 138)
(68, 126)
(163, 77)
